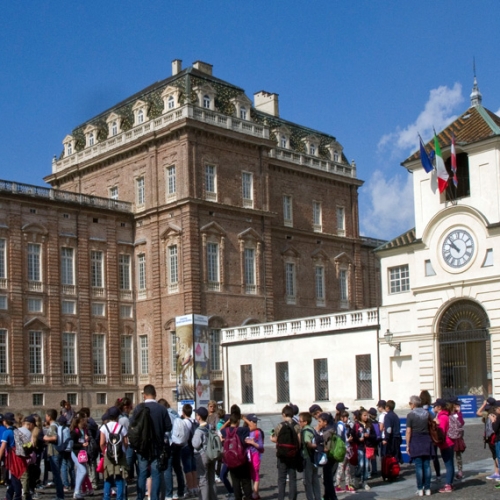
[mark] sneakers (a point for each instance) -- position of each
(217, 479)
(493, 476)
(448, 488)
(427, 493)
(78, 496)
(350, 489)
(67, 489)
(366, 487)
(338, 489)
(459, 475)
(419, 493)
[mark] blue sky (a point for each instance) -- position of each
(369, 73)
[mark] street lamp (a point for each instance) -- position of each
(388, 336)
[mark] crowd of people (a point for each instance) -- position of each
(150, 444)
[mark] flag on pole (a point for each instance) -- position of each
(424, 157)
(454, 161)
(442, 173)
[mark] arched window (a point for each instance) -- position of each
(335, 156)
(91, 139)
(69, 149)
(114, 128)
(243, 113)
(171, 102)
(140, 116)
(312, 149)
(283, 141)
(206, 101)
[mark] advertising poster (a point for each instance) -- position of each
(201, 360)
(185, 357)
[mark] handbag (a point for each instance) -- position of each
(83, 458)
(370, 452)
(100, 466)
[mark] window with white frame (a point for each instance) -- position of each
(4, 303)
(317, 216)
(91, 139)
(69, 149)
(206, 101)
(140, 188)
(114, 128)
(249, 270)
(113, 192)
(141, 273)
(344, 285)
(126, 355)
(3, 351)
(143, 355)
(34, 262)
(213, 271)
(126, 311)
(321, 379)
(68, 307)
(98, 354)
(171, 183)
(284, 142)
(173, 268)
(215, 363)
(247, 189)
(35, 348)
(171, 102)
(399, 279)
(140, 116)
(35, 305)
(98, 309)
(290, 282)
(341, 221)
(287, 210)
(3, 258)
(101, 398)
(67, 266)
(243, 113)
(211, 182)
(335, 156)
(320, 285)
(312, 149)
(69, 353)
(97, 269)
(37, 399)
(124, 272)
(72, 398)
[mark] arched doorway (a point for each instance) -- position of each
(464, 348)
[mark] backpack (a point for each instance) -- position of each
(21, 443)
(234, 454)
(63, 439)
(114, 450)
(213, 445)
(287, 445)
(437, 434)
(310, 451)
(354, 433)
(376, 429)
(455, 431)
(336, 449)
(141, 432)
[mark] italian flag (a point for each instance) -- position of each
(442, 173)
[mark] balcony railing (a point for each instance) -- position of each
(3, 282)
(216, 375)
(35, 286)
(100, 379)
(70, 379)
(128, 379)
(98, 291)
(4, 379)
(69, 289)
(37, 379)
(126, 295)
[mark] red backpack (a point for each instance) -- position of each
(233, 454)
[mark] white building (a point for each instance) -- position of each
(440, 302)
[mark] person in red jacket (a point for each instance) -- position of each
(442, 410)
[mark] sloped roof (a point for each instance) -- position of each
(476, 124)
(402, 240)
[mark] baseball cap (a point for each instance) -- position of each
(9, 416)
(324, 416)
(295, 408)
(455, 401)
(439, 402)
(382, 403)
(491, 401)
(253, 417)
(111, 413)
(30, 419)
(341, 407)
(202, 412)
(314, 408)
(373, 412)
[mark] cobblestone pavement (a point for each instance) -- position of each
(477, 465)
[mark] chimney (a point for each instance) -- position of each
(176, 66)
(266, 102)
(203, 67)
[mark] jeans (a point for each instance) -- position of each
(157, 480)
(205, 471)
(114, 482)
(223, 477)
(311, 480)
(174, 463)
(328, 482)
(15, 490)
(362, 471)
(448, 454)
(285, 470)
(67, 468)
(81, 472)
(132, 463)
(423, 472)
(55, 467)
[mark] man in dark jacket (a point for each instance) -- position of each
(161, 425)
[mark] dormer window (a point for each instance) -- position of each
(91, 139)
(113, 122)
(171, 98)
(311, 144)
(335, 156)
(114, 128)
(243, 113)
(69, 149)
(69, 145)
(140, 116)
(312, 149)
(140, 112)
(283, 141)
(206, 101)
(171, 102)
(206, 96)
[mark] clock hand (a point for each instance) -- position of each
(454, 246)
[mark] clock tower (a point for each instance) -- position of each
(441, 279)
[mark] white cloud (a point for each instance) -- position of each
(497, 112)
(437, 114)
(390, 205)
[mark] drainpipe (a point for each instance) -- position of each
(378, 355)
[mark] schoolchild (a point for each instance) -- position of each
(484, 411)
(363, 438)
(372, 442)
(442, 410)
(426, 401)
(308, 441)
(325, 430)
(255, 442)
(344, 472)
(456, 433)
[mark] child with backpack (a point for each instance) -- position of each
(114, 442)
(456, 433)
(344, 468)
(80, 438)
(364, 430)
(325, 431)
(373, 442)
(255, 442)
(308, 443)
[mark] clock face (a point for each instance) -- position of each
(458, 248)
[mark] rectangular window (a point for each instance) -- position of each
(249, 268)
(36, 353)
(344, 288)
(98, 309)
(113, 193)
(97, 269)
(124, 271)
(37, 399)
(67, 266)
(99, 354)
(246, 384)
(3, 351)
(4, 400)
(34, 262)
(101, 398)
(3, 302)
(364, 376)
(290, 280)
(399, 279)
(317, 217)
(35, 305)
(72, 398)
(282, 383)
(320, 284)
(171, 182)
(68, 307)
(213, 266)
(3, 259)
(215, 350)
(247, 189)
(173, 352)
(287, 210)
(141, 273)
(131, 396)
(69, 353)
(125, 312)
(143, 355)
(340, 221)
(126, 355)
(211, 182)
(140, 191)
(321, 379)
(173, 268)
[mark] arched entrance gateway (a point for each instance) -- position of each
(464, 350)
